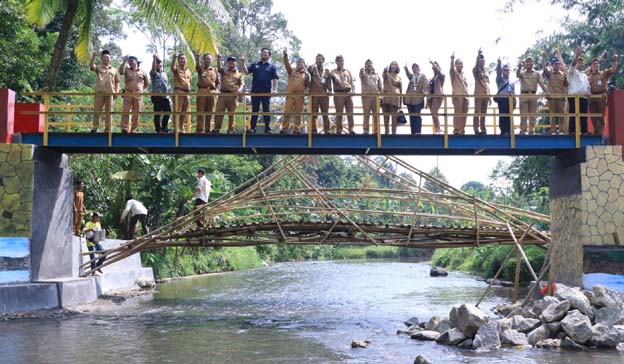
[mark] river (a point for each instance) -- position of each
(286, 313)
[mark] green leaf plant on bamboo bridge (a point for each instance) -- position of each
(285, 205)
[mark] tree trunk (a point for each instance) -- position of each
(61, 43)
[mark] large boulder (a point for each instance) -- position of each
(620, 330)
(576, 297)
(504, 324)
(577, 326)
(453, 316)
(487, 337)
(540, 305)
(443, 326)
(421, 360)
(452, 337)
(604, 297)
(555, 311)
(537, 335)
(426, 335)
(553, 328)
(525, 312)
(569, 344)
(548, 343)
(470, 319)
(604, 336)
(607, 315)
(433, 323)
(513, 338)
(410, 330)
(504, 309)
(524, 324)
(363, 344)
(438, 272)
(412, 321)
(466, 344)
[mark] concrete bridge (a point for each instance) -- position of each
(586, 190)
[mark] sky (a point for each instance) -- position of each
(409, 31)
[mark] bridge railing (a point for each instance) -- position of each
(73, 112)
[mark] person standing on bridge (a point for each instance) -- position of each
(79, 207)
(232, 85)
(598, 81)
(106, 83)
(557, 84)
(371, 91)
(391, 104)
(135, 82)
(182, 77)
(138, 213)
(578, 87)
(481, 94)
(505, 105)
(344, 87)
(460, 95)
(90, 230)
(160, 85)
(417, 89)
(207, 84)
(529, 80)
(436, 98)
(264, 74)
(319, 87)
(298, 86)
(202, 192)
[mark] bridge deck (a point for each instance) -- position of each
(301, 144)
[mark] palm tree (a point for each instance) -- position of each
(176, 16)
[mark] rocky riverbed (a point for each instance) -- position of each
(571, 319)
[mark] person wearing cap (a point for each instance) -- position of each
(390, 105)
(344, 86)
(578, 87)
(436, 98)
(264, 75)
(320, 85)
(232, 84)
(481, 94)
(414, 98)
(459, 84)
(135, 82)
(182, 77)
(371, 89)
(202, 192)
(529, 80)
(106, 83)
(556, 88)
(162, 104)
(505, 105)
(207, 84)
(598, 81)
(298, 85)
(137, 212)
(91, 227)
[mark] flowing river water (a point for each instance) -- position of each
(286, 313)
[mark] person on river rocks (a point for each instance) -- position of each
(572, 319)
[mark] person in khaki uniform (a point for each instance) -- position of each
(414, 99)
(598, 81)
(135, 82)
(320, 84)
(434, 102)
(555, 90)
(182, 77)
(207, 84)
(460, 93)
(391, 104)
(481, 94)
(344, 87)
(298, 85)
(371, 89)
(529, 80)
(106, 83)
(232, 84)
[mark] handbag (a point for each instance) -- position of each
(401, 119)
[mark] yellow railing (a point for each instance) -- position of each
(76, 115)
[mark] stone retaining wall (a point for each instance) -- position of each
(16, 189)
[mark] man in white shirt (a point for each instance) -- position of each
(202, 192)
(578, 85)
(137, 212)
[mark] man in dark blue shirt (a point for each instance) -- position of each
(264, 73)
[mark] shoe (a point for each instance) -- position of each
(297, 132)
(199, 132)
(351, 132)
(482, 133)
(99, 270)
(230, 131)
(93, 131)
(283, 132)
(216, 131)
(124, 131)
(251, 131)
(268, 131)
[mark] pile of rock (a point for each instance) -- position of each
(572, 319)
